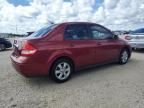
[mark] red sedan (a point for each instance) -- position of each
(61, 49)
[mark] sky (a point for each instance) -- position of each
(21, 16)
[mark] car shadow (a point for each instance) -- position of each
(139, 50)
(42, 81)
(93, 69)
(8, 49)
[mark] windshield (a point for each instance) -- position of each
(139, 31)
(42, 31)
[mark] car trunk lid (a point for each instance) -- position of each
(24, 47)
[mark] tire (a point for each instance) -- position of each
(61, 70)
(124, 56)
(2, 47)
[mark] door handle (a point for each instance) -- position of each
(99, 43)
(72, 45)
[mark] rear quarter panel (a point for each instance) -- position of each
(50, 48)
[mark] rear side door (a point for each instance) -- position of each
(80, 44)
(107, 48)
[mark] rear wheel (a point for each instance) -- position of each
(2, 47)
(61, 70)
(124, 56)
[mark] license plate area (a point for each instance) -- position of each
(16, 51)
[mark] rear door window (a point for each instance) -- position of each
(76, 32)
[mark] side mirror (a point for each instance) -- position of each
(115, 36)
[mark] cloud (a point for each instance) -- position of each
(114, 14)
(111, 4)
(126, 12)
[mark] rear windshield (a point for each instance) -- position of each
(42, 31)
(139, 31)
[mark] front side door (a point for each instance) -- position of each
(80, 44)
(105, 45)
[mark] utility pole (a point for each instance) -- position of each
(16, 28)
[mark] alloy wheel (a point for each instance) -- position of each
(62, 71)
(124, 56)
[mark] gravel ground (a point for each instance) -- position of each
(109, 86)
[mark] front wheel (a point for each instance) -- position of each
(2, 47)
(61, 70)
(124, 56)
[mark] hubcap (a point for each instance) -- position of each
(62, 71)
(124, 57)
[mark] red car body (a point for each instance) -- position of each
(34, 56)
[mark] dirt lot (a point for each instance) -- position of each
(109, 86)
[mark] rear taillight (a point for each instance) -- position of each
(128, 37)
(27, 49)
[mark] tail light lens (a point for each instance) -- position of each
(128, 37)
(27, 49)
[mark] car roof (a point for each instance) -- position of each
(67, 23)
(77, 23)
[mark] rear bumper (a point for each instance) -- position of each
(137, 44)
(28, 69)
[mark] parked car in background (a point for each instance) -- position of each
(136, 38)
(4, 43)
(121, 32)
(60, 49)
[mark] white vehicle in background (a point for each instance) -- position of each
(135, 38)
